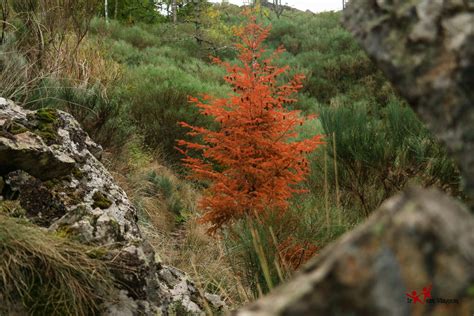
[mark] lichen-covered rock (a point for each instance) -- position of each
(416, 240)
(22, 148)
(426, 49)
(49, 170)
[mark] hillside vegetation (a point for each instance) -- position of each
(128, 81)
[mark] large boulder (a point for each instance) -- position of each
(426, 49)
(419, 241)
(51, 168)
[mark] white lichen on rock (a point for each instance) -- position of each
(52, 167)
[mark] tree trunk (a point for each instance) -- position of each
(106, 8)
(175, 12)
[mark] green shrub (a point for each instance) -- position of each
(104, 119)
(161, 68)
(136, 35)
(378, 154)
(161, 185)
(157, 99)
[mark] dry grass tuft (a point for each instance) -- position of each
(43, 274)
(202, 257)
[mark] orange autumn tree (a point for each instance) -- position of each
(251, 160)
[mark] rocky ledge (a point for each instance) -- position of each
(413, 256)
(50, 173)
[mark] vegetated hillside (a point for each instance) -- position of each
(128, 84)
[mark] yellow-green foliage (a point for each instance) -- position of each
(16, 128)
(47, 124)
(43, 274)
(11, 208)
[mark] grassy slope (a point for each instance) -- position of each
(378, 138)
(133, 90)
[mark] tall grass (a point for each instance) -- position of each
(177, 237)
(43, 274)
(266, 252)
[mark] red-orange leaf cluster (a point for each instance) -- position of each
(251, 160)
(293, 254)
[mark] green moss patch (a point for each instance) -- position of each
(45, 124)
(77, 173)
(47, 115)
(101, 201)
(16, 128)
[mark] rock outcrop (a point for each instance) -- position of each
(415, 240)
(415, 255)
(50, 166)
(426, 48)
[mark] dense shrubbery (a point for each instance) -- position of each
(379, 152)
(157, 78)
(380, 145)
(375, 143)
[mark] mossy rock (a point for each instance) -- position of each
(46, 125)
(101, 201)
(50, 184)
(177, 309)
(65, 231)
(74, 197)
(470, 290)
(115, 226)
(47, 115)
(97, 253)
(77, 173)
(16, 128)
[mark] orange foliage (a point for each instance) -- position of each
(295, 254)
(251, 160)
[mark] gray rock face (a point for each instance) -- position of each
(415, 240)
(50, 165)
(426, 48)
